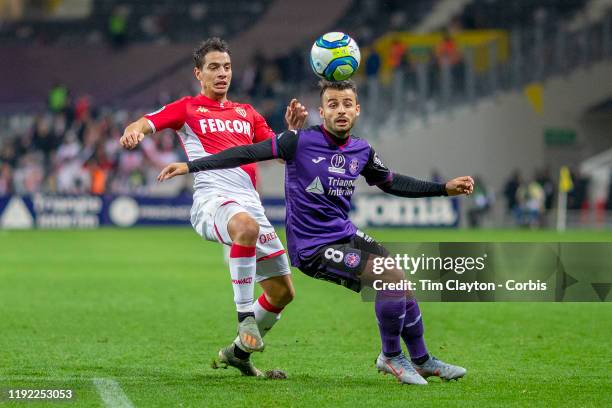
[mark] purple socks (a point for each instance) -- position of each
(390, 309)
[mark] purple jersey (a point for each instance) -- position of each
(320, 178)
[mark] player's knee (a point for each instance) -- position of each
(244, 229)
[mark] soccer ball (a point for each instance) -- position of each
(335, 56)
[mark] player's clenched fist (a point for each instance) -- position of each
(131, 138)
(460, 185)
(172, 170)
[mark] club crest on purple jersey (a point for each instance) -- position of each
(337, 164)
(354, 166)
(351, 259)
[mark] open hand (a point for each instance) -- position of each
(296, 115)
(172, 170)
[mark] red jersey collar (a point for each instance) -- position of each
(332, 141)
(205, 100)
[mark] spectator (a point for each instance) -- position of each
(480, 203)
(545, 180)
(397, 54)
(44, 138)
(447, 51)
(82, 108)
(577, 198)
(7, 153)
(510, 191)
(449, 55)
(58, 98)
(530, 204)
(117, 26)
(100, 169)
(609, 199)
(6, 179)
(29, 175)
(372, 64)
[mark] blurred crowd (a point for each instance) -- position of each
(530, 201)
(73, 149)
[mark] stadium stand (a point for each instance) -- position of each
(370, 19)
(508, 14)
(150, 21)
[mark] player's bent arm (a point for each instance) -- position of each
(234, 157)
(282, 146)
(135, 132)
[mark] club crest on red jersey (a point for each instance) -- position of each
(240, 111)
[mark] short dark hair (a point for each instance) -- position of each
(337, 85)
(212, 44)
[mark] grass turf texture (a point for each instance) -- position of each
(151, 307)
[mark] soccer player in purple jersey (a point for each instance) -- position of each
(322, 167)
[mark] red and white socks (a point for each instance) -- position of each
(266, 314)
(242, 265)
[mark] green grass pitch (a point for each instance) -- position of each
(149, 308)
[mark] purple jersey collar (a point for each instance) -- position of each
(332, 141)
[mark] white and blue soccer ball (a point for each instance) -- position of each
(335, 56)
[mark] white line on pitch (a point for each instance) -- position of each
(111, 393)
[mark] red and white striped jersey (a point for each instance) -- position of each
(206, 127)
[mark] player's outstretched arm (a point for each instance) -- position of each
(232, 157)
(134, 133)
(405, 186)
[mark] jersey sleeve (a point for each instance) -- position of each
(284, 145)
(170, 116)
(261, 129)
(375, 172)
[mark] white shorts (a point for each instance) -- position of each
(210, 216)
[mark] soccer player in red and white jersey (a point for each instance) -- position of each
(226, 206)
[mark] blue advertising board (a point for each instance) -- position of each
(88, 211)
